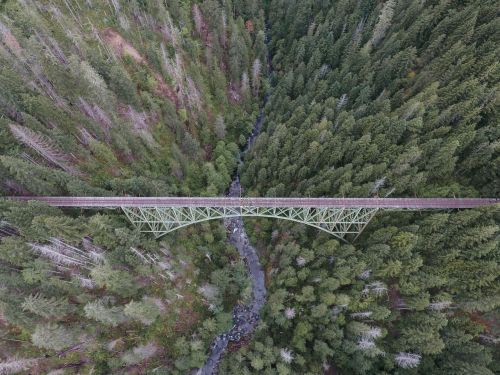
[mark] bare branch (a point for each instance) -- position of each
(43, 146)
(407, 360)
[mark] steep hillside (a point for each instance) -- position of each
(119, 98)
(375, 98)
(133, 98)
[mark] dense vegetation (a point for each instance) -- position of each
(113, 98)
(376, 98)
(156, 98)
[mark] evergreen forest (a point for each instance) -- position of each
(292, 98)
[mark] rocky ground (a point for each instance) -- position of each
(245, 317)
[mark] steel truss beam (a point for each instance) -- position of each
(339, 222)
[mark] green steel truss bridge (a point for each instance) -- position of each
(339, 217)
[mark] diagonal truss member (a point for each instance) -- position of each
(334, 220)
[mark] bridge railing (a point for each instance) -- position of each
(380, 203)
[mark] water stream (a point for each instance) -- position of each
(245, 317)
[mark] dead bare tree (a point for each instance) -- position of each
(256, 70)
(199, 23)
(63, 254)
(15, 365)
(407, 360)
(42, 145)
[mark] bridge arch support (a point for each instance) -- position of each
(338, 222)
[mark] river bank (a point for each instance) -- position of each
(245, 317)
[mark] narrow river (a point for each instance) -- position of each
(245, 317)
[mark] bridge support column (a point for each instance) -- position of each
(339, 222)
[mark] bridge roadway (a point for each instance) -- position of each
(380, 203)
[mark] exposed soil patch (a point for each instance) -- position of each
(490, 323)
(164, 90)
(121, 46)
(10, 41)
(235, 346)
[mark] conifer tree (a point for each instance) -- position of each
(53, 336)
(146, 311)
(47, 307)
(98, 310)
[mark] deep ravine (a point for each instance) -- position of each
(245, 317)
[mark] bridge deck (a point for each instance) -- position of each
(395, 203)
